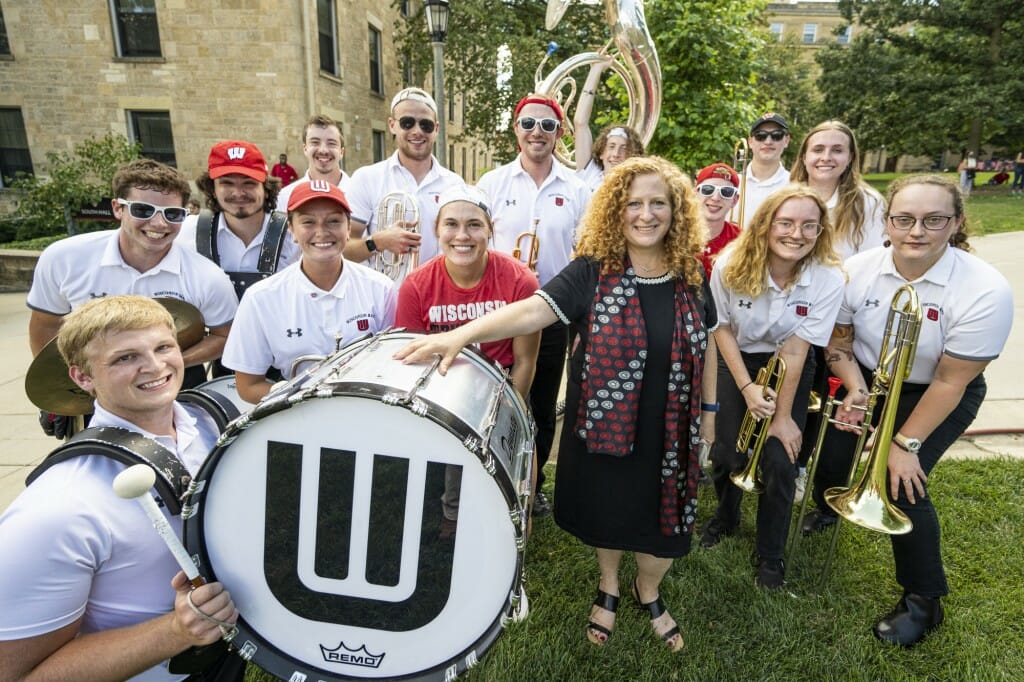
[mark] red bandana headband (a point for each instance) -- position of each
(538, 99)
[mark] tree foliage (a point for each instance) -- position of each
(79, 178)
(921, 77)
(709, 53)
(786, 84)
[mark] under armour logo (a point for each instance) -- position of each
(93, 294)
(320, 185)
(745, 304)
(869, 303)
(236, 153)
(294, 332)
(510, 202)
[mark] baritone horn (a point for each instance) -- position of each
(630, 54)
(754, 431)
(517, 252)
(740, 157)
(397, 206)
(867, 503)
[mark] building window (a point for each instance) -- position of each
(325, 26)
(376, 62)
(843, 38)
(405, 8)
(776, 29)
(14, 155)
(152, 130)
(406, 71)
(136, 32)
(810, 33)
(378, 146)
(5, 47)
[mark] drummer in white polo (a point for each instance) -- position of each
(313, 306)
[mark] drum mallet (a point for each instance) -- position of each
(135, 483)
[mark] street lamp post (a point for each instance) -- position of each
(437, 26)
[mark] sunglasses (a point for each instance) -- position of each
(724, 191)
(426, 125)
(548, 125)
(776, 135)
(140, 210)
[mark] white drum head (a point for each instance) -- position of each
(323, 522)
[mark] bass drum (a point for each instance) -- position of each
(321, 512)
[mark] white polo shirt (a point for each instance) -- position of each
(756, 191)
(286, 192)
(874, 224)
(234, 254)
(87, 266)
(591, 175)
(966, 308)
(808, 310)
(370, 184)
(286, 316)
(73, 549)
(516, 201)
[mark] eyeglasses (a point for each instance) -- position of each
(930, 222)
(548, 125)
(724, 191)
(140, 210)
(426, 125)
(776, 135)
(806, 229)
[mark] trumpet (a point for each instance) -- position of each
(393, 207)
(517, 252)
(756, 430)
(740, 156)
(866, 502)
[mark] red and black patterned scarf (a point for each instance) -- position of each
(613, 374)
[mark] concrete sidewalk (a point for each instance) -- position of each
(23, 445)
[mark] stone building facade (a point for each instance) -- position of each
(179, 75)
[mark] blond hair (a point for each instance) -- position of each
(602, 237)
(849, 216)
(747, 268)
(103, 316)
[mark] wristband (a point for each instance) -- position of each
(371, 245)
(709, 407)
(745, 385)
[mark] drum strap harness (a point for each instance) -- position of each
(270, 250)
(128, 447)
(211, 663)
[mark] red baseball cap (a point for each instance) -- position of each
(237, 156)
(723, 171)
(307, 191)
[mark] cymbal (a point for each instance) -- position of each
(188, 321)
(50, 388)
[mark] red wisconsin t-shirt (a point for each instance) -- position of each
(729, 232)
(429, 301)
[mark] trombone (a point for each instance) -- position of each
(517, 252)
(866, 502)
(397, 206)
(756, 430)
(740, 156)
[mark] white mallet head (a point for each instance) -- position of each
(134, 481)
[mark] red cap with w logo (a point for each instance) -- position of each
(237, 156)
(309, 190)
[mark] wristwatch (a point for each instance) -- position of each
(911, 445)
(371, 246)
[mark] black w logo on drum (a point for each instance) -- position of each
(377, 565)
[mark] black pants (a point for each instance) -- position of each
(917, 554)
(544, 391)
(775, 471)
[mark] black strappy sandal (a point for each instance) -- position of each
(655, 609)
(609, 603)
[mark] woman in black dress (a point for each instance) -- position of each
(627, 462)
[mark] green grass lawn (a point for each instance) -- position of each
(735, 631)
